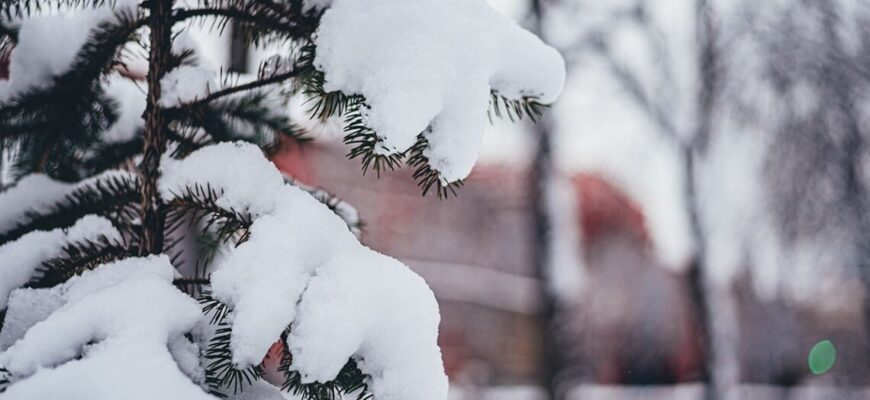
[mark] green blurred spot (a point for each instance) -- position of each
(822, 357)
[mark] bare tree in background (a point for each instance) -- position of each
(815, 156)
(720, 358)
(540, 177)
(818, 62)
(691, 146)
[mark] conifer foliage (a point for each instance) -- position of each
(148, 248)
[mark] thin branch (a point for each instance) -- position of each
(242, 16)
(633, 86)
(277, 78)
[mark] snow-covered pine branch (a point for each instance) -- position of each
(452, 55)
(125, 142)
(37, 202)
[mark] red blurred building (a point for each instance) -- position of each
(475, 251)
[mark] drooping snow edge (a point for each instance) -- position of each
(301, 267)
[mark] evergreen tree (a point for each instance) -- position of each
(111, 218)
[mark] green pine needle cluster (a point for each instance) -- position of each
(4, 374)
(114, 197)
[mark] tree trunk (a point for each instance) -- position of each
(541, 174)
(697, 277)
(719, 373)
(539, 180)
(151, 214)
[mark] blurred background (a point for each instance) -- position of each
(687, 222)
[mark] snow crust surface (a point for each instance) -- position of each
(20, 259)
(302, 266)
(428, 66)
(185, 83)
(24, 309)
(109, 339)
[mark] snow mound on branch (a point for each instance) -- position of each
(187, 82)
(184, 84)
(245, 186)
(119, 319)
(302, 266)
(428, 66)
(25, 308)
(20, 259)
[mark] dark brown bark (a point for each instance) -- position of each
(160, 24)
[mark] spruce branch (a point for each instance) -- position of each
(259, 20)
(365, 143)
(515, 109)
(113, 197)
(106, 156)
(215, 308)
(199, 204)
(323, 104)
(249, 116)
(220, 373)
(96, 57)
(367, 146)
(26, 8)
(80, 257)
(4, 374)
(198, 285)
(54, 125)
(53, 135)
(427, 177)
(191, 285)
(8, 39)
(349, 380)
(183, 57)
(186, 139)
(257, 84)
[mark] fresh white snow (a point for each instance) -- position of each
(20, 259)
(186, 83)
(191, 81)
(302, 266)
(24, 309)
(119, 319)
(446, 56)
